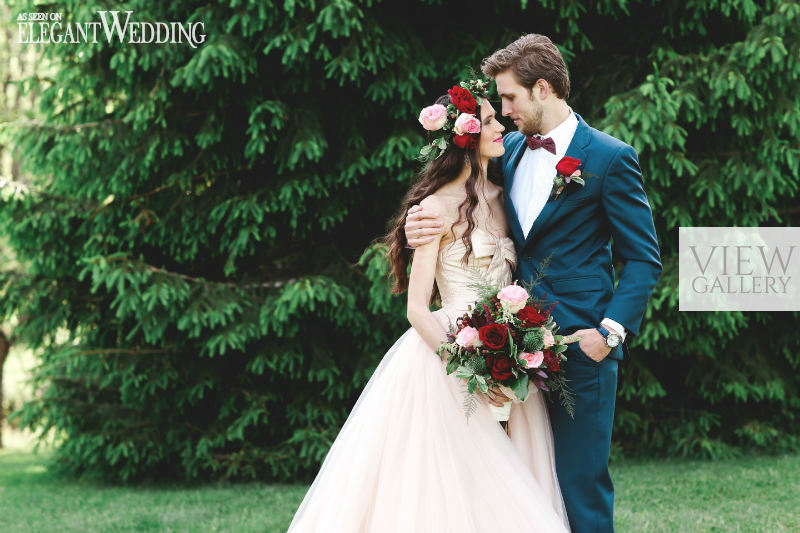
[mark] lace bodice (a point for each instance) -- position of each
(494, 257)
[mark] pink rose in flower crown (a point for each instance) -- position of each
(468, 337)
(433, 117)
(466, 123)
(534, 360)
(513, 298)
(548, 338)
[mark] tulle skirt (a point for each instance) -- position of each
(408, 460)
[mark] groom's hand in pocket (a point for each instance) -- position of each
(593, 344)
(421, 226)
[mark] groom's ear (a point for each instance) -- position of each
(541, 89)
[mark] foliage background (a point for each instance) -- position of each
(199, 220)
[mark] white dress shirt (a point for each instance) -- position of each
(533, 179)
(533, 182)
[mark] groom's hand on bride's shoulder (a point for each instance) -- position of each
(593, 344)
(422, 225)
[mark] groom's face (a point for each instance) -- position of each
(519, 104)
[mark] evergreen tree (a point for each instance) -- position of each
(193, 240)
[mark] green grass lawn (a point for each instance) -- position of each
(754, 494)
(758, 494)
(34, 500)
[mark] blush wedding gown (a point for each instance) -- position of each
(407, 460)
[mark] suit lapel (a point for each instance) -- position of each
(575, 149)
(508, 172)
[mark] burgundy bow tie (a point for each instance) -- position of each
(538, 142)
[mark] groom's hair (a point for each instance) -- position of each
(530, 58)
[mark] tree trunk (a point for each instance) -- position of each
(4, 346)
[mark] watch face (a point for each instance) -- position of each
(612, 340)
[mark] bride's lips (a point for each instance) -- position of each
(499, 140)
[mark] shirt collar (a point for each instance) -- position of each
(563, 133)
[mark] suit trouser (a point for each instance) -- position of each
(582, 444)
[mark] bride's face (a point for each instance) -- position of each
(491, 142)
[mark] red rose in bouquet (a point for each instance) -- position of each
(462, 99)
(499, 365)
(552, 361)
(531, 317)
(494, 336)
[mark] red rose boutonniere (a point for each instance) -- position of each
(567, 172)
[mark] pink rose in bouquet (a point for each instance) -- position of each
(513, 298)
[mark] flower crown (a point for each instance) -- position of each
(457, 122)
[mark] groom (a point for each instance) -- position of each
(576, 225)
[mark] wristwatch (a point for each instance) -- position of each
(612, 339)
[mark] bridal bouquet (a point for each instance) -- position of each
(508, 339)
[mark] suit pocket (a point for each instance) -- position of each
(581, 356)
(577, 284)
(581, 199)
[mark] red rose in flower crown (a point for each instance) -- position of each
(494, 336)
(462, 99)
(467, 141)
(530, 317)
(499, 365)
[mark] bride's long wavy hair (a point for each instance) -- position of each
(431, 178)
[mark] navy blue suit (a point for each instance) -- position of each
(577, 227)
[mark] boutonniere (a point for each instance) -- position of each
(567, 171)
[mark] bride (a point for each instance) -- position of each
(408, 459)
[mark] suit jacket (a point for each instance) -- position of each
(577, 227)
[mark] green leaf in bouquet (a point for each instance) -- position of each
(484, 288)
(567, 339)
(482, 383)
(520, 386)
(471, 384)
(558, 387)
(470, 402)
(464, 372)
(452, 364)
(558, 348)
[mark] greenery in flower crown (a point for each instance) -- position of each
(442, 137)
